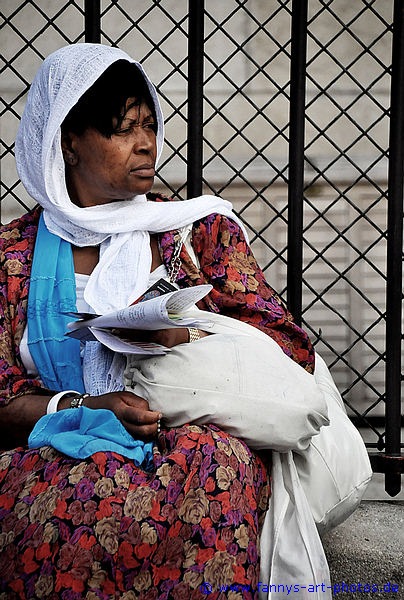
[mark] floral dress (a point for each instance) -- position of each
(103, 528)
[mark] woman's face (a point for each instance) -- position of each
(100, 170)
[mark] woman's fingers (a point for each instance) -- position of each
(169, 337)
(131, 410)
(173, 337)
(143, 432)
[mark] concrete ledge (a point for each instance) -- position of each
(368, 550)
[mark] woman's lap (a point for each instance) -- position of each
(103, 528)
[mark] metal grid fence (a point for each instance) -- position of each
(294, 111)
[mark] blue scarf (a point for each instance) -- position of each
(82, 432)
(52, 293)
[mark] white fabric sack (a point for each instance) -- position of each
(251, 389)
(335, 469)
(292, 562)
(323, 485)
(248, 386)
(242, 383)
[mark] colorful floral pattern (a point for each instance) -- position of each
(240, 289)
(103, 528)
(16, 250)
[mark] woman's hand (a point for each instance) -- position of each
(165, 337)
(132, 411)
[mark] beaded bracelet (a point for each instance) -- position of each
(78, 400)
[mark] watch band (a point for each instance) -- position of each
(193, 334)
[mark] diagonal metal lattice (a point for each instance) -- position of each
(29, 33)
(353, 137)
(246, 138)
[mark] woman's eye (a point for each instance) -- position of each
(134, 126)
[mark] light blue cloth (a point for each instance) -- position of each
(52, 293)
(80, 432)
(77, 432)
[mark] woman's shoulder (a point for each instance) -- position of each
(218, 229)
(212, 225)
(20, 233)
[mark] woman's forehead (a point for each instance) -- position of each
(136, 106)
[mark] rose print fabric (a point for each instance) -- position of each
(240, 289)
(103, 528)
(17, 240)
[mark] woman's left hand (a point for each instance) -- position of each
(169, 337)
(164, 337)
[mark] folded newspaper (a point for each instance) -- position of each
(161, 307)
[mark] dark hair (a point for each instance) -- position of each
(102, 106)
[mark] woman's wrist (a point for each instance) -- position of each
(193, 334)
(196, 334)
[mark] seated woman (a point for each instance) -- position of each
(183, 507)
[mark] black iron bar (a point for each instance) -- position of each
(296, 157)
(195, 97)
(394, 286)
(92, 21)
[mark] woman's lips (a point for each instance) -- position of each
(144, 171)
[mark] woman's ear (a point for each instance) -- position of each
(69, 155)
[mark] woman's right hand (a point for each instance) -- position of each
(131, 410)
(18, 418)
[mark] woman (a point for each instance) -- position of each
(112, 524)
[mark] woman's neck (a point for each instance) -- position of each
(86, 259)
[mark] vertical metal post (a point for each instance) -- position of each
(195, 97)
(394, 250)
(92, 21)
(296, 157)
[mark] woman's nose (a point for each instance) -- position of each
(145, 140)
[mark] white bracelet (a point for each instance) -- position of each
(54, 401)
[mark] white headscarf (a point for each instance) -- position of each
(121, 228)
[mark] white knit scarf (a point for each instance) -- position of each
(120, 228)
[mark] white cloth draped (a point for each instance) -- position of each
(121, 228)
